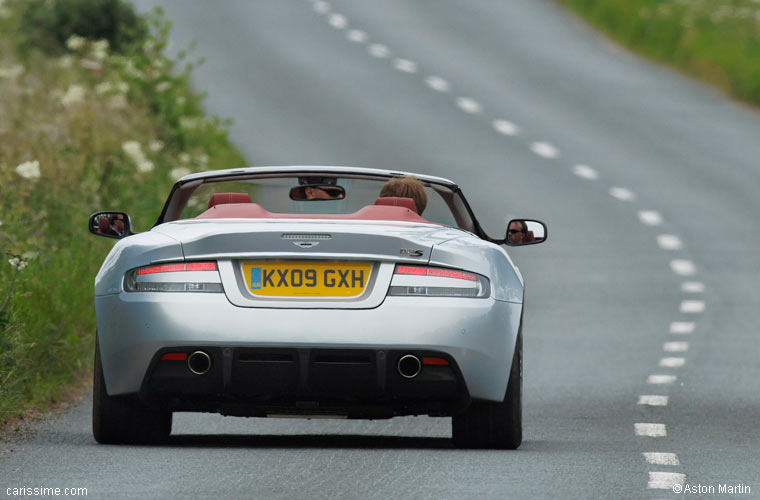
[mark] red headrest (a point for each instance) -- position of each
(397, 201)
(529, 237)
(103, 225)
(222, 198)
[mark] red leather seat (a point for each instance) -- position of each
(397, 201)
(103, 225)
(529, 237)
(223, 198)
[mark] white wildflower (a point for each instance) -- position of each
(158, 63)
(202, 159)
(65, 61)
(100, 49)
(145, 166)
(103, 88)
(121, 87)
(135, 153)
(117, 102)
(11, 72)
(1, 223)
(29, 170)
(149, 44)
(179, 172)
(75, 42)
(4, 13)
(155, 146)
(184, 158)
(91, 64)
(30, 255)
(163, 86)
(188, 122)
(180, 100)
(74, 95)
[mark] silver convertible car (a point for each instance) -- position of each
(302, 291)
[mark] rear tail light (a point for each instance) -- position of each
(426, 281)
(175, 277)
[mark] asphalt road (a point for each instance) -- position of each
(648, 182)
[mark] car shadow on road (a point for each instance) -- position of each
(305, 441)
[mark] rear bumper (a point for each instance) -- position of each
(478, 335)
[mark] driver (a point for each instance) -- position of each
(317, 188)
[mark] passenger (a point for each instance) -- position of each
(517, 231)
(406, 187)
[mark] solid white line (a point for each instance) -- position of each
(585, 172)
(322, 7)
(337, 21)
(672, 362)
(468, 105)
(661, 379)
(650, 430)
(357, 36)
(692, 306)
(544, 150)
(662, 458)
(650, 400)
(675, 346)
(681, 327)
(505, 127)
(665, 480)
(437, 83)
(683, 267)
(650, 217)
(378, 50)
(622, 194)
(405, 65)
(669, 242)
(692, 287)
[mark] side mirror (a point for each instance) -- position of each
(316, 192)
(110, 224)
(525, 232)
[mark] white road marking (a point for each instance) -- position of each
(650, 217)
(669, 242)
(681, 327)
(692, 287)
(661, 379)
(338, 21)
(405, 65)
(672, 362)
(692, 306)
(322, 7)
(469, 105)
(650, 430)
(505, 127)
(683, 267)
(662, 458)
(437, 83)
(622, 194)
(665, 480)
(544, 150)
(675, 346)
(650, 400)
(378, 50)
(585, 172)
(357, 36)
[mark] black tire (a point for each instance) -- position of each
(494, 425)
(117, 420)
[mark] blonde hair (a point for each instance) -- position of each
(406, 187)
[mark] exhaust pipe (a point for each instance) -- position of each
(409, 366)
(199, 362)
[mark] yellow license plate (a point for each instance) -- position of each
(306, 279)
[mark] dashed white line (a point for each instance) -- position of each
(669, 242)
(665, 480)
(650, 217)
(338, 21)
(661, 379)
(672, 362)
(692, 306)
(585, 172)
(650, 430)
(322, 7)
(437, 83)
(545, 150)
(692, 287)
(622, 194)
(505, 127)
(681, 327)
(651, 400)
(469, 105)
(378, 50)
(683, 267)
(675, 346)
(405, 65)
(662, 458)
(357, 36)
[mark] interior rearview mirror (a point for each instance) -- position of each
(316, 192)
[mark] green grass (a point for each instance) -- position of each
(715, 40)
(71, 115)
